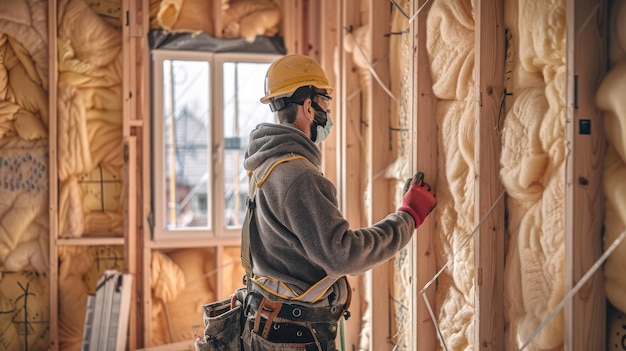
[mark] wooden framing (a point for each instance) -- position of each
(130, 231)
(378, 141)
(424, 131)
(53, 174)
(142, 301)
(217, 18)
(489, 238)
(585, 314)
(351, 152)
(586, 66)
(325, 47)
(133, 48)
(291, 26)
(130, 30)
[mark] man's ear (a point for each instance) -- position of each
(307, 108)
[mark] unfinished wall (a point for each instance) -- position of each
(450, 46)
(533, 173)
(24, 117)
(610, 99)
(532, 128)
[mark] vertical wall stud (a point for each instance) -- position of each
(424, 140)
(586, 66)
(489, 238)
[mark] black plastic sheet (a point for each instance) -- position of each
(160, 39)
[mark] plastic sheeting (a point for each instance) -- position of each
(160, 39)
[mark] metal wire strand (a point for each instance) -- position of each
(577, 287)
(434, 278)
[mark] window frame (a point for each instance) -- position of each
(217, 227)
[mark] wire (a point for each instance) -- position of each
(432, 316)
(400, 9)
(588, 19)
(434, 278)
(418, 11)
(374, 74)
(412, 18)
(577, 287)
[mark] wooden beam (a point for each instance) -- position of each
(136, 62)
(351, 157)
(130, 231)
(217, 17)
(347, 141)
(291, 26)
(489, 239)
(53, 177)
(424, 156)
(586, 65)
(143, 300)
(308, 37)
(326, 49)
(379, 158)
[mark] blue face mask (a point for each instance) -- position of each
(320, 129)
(322, 132)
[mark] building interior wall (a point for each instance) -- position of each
(89, 153)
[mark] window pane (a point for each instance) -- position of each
(186, 113)
(243, 87)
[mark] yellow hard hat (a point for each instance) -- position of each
(291, 72)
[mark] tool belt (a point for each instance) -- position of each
(296, 333)
(295, 312)
(282, 322)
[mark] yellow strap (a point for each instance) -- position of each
(317, 290)
(313, 294)
(260, 182)
(248, 223)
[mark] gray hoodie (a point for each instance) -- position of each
(302, 234)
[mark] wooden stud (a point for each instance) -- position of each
(143, 302)
(379, 157)
(221, 289)
(325, 48)
(130, 229)
(424, 157)
(346, 141)
(291, 26)
(217, 18)
(586, 62)
(489, 238)
(53, 77)
(351, 158)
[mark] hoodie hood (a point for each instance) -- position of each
(269, 140)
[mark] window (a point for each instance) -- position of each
(205, 106)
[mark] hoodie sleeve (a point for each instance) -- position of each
(310, 210)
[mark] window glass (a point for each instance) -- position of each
(187, 127)
(242, 89)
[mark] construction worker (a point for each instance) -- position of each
(299, 247)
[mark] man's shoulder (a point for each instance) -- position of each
(285, 164)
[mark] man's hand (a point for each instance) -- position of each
(419, 199)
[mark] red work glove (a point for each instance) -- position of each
(419, 200)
